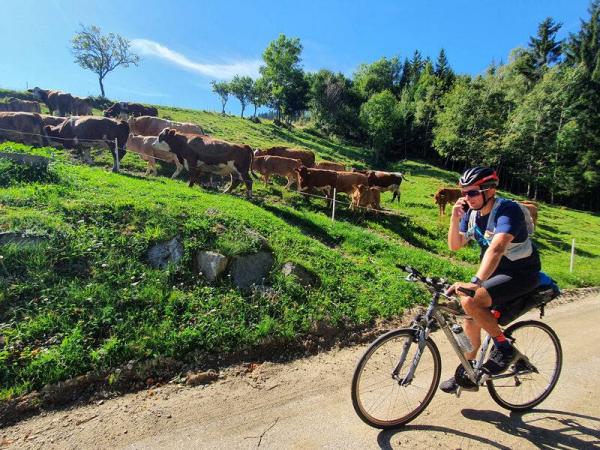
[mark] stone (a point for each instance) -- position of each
(163, 253)
(211, 264)
(247, 270)
(198, 378)
(304, 276)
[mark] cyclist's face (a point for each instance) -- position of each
(474, 198)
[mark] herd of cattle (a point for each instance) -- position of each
(187, 145)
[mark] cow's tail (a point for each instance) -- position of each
(252, 162)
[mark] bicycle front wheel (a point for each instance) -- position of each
(529, 386)
(380, 398)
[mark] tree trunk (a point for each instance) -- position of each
(101, 87)
(223, 108)
(255, 110)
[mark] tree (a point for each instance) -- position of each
(583, 47)
(101, 53)
(383, 74)
(443, 70)
(259, 94)
(222, 89)
(380, 116)
(545, 48)
(288, 89)
(241, 88)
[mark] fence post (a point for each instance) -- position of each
(333, 207)
(117, 161)
(572, 255)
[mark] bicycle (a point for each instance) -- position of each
(399, 373)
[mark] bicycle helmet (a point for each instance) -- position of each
(484, 177)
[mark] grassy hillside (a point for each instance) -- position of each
(86, 298)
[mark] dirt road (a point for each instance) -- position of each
(306, 404)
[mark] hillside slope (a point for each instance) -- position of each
(84, 297)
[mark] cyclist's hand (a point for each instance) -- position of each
(453, 290)
(458, 209)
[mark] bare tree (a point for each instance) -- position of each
(101, 53)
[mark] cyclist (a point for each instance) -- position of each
(509, 263)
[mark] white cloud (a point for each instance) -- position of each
(219, 71)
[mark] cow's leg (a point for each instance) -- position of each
(193, 171)
(248, 182)
(290, 181)
(266, 179)
(396, 195)
(152, 163)
(178, 169)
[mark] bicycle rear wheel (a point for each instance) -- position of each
(528, 388)
(378, 397)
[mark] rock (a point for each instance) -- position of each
(163, 253)
(211, 264)
(304, 276)
(251, 269)
(12, 237)
(40, 162)
(195, 379)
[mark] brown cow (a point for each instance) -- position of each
(152, 126)
(150, 150)
(23, 127)
(386, 181)
(63, 103)
(346, 181)
(446, 196)
(202, 153)
(533, 210)
(319, 179)
(130, 109)
(329, 165)
(365, 197)
(277, 165)
(83, 132)
(306, 156)
(52, 120)
(15, 104)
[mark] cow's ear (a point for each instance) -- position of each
(171, 133)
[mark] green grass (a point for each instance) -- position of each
(86, 298)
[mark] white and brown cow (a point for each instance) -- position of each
(81, 133)
(386, 181)
(205, 154)
(277, 165)
(126, 109)
(152, 126)
(306, 156)
(62, 102)
(317, 179)
(347, 180)
(150, 150)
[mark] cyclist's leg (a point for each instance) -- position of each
(473, 331)
(478, 307)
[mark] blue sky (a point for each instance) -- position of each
(186, 44)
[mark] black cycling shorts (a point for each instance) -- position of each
(504, 287)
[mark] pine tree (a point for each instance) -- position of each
(545, 48)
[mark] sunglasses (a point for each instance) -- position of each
(473, 193)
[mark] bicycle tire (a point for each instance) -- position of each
(390, 387)
(541, 345)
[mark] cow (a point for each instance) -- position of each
(365, 197)
(130, 109)
(446, 195)
(533, 210)
(16, 105)
(152, 126)
(346, 181)
(23, 127)
(203, 153)
(329, 165)
(52, 120)
(83, 132)
(319, 179)
(63, 103)
(386, 181)
(277, 165)
(306, 156)
(150, 150)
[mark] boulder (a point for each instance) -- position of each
(163, 253)
(211, 264)
(304, 276)
(251, 269)
(12, 237)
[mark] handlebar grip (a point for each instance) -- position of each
(469, 292)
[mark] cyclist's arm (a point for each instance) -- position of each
(493, 255)
(456, 239)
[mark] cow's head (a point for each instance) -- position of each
(52, 131)
(37, 92)
(302, 171)
(166, 135)
(259, 152)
